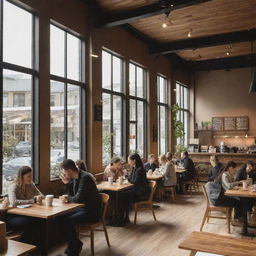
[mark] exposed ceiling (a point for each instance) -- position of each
(195, 20)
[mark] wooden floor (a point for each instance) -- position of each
(149, 238)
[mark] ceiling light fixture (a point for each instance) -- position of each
(94, 55)
(189, 34)
(166, 20)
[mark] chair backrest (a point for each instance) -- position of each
(105, 200)
(205, 195)
(152, 185)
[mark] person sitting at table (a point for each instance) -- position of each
(216, 166)
(21, 192)
(169, 156)
(168, 171)
(151, 163)
(138, 192)
(246, 171)
(80, 164)
(81, 189)
(227, 182)
(114, 169)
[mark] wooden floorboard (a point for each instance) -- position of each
(149, 238)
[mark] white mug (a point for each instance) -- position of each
(49, 200)
(121, 180)
(244, 184)
(110, 180)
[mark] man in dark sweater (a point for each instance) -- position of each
(247, 171)
(216, 168)
(188, 164)
(81, 189)
(151, 163)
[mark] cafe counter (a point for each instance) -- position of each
(202, 161)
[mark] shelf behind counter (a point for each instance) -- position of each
(202, 161)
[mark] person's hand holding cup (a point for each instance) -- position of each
(39, 199)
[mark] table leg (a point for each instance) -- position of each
(245, 221)
(192, 253)
(44, 244)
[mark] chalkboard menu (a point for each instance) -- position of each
(229, 123)
(242, 123)
(217, 124)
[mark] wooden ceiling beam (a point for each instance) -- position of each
(111, 20)
(225, 63)
(207, 41)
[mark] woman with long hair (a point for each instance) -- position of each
(81, 165)
(138, 192)
(168, 171)
(23, 191)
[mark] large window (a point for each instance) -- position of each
(162, 111)
(18, 86)
(112, 98)
(182, 98)
(67, 97)
(137, 113)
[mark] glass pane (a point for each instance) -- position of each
(17, 125)
(73, 122)
(132, 138)
(132, 110)
(17, 35)
(117, 129)
(186, 128)
(117, 74)
(106, 129)
(163, 132)
(186, 92)
(178, 94)
(181, 96)
(106, 70)
(57, 45)
(162, 90)
(132, 88)
(57, 127)
(73, 57)
(140, 82)
(140, 128)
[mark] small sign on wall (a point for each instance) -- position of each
(98, 112)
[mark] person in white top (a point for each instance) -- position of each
(168, 171)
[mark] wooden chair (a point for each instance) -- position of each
(148, 204)
(192, 184)
(83, 229)
(209, 209)
(172, 192)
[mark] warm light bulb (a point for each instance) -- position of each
(228, 53)
(189, 34)
(164, 25)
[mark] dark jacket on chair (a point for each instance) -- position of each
(84, 190)
(139, 179)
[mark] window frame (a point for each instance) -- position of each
(145, 104)
(34, 72)
(183, 110)
(82, 90)
(166, 106)
(113, 93)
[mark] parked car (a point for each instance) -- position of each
(11, 167)
(23, 148)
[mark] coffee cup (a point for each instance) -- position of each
(244, 184)
(110, 180)
(64, 199)
(121, 180)
(49, 200)
(39, 199)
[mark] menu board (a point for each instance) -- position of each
(242, 123)
(217, 123)
(229, 123)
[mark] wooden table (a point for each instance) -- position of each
(45, 213)
(245, 196)
(114, 191)
(179, 170)
(219, 244)
(155, 177)
(17, 248)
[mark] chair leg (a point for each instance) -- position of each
(204, 219)
(173, 195)
(192, 253)
(153, 212)
(92, 241)
(135, 214)
(106, 234)
(228, 215)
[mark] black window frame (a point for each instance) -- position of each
(181, 87)
(166, 106)
(34, 73)
(81, 84)
(113, 93)
(145, 104)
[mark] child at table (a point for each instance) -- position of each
(23, 191)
